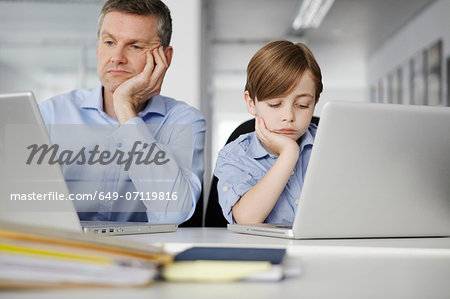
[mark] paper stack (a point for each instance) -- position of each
(36, 257)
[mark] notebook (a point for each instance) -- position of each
(20, 184)
(376, 170)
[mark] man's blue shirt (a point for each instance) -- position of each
(140, 192)
(242, 163)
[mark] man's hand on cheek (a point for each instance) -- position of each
(131, 96)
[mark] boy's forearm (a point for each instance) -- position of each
(256, 204)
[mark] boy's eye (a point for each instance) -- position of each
(136, 47)
(303, 106)
(274, 105)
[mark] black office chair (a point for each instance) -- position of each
(197, 218)
(214, 216)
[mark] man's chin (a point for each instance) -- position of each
(112, 86)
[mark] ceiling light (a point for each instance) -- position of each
(311, 13)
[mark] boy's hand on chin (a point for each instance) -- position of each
(275, 143)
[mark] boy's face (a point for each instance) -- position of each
(289, 115)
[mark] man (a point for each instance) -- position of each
(142, 153)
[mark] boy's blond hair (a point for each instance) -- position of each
(276, 68)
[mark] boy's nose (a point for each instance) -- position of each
(288, 115)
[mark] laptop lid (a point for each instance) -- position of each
(28, 193)
(377, 170)
(32, 193)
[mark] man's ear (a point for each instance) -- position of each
(250, 103)
(168, 52)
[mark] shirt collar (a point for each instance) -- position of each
(308, 137)
(256, 150)
(95, 101)
(155, 105)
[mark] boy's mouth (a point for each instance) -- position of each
(287, 131)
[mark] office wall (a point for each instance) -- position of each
(344, 72)
(183, 77)
(45, 49)
(421, 32)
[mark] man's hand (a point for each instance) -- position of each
(274, 143)
(131, 96)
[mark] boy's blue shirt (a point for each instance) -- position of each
(242, 163)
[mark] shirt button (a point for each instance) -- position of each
(119, 145)
(297, 201)
(225, 188)
(292, 173)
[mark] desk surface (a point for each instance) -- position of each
(217, 236)
(362, 268)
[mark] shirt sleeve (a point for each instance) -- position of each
(168, 170)
(236, 175)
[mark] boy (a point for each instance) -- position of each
(261, 173)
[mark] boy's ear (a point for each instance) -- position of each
(250, 104)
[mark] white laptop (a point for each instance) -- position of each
(376, 170)
(21, 125)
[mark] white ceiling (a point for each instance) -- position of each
(365, 23)
(368, 22)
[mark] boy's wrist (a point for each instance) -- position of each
(291, 150)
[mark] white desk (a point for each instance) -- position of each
(370, 268)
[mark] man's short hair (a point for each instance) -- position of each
(142, 8)
(277, 67)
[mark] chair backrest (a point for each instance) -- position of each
(214, 216)
(197, 218)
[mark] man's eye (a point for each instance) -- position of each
(109, 43)
(303, 106)
(136, 47)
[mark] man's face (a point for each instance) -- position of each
(123, 41)
(289, 115)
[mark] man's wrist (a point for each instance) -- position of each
(124, 112)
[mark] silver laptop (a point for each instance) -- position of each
(376, 170)
(23, 187)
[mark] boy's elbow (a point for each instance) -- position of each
(243, 217)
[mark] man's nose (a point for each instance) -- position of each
(118, 56)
